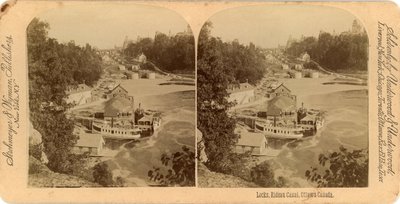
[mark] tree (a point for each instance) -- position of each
(181, 171)
(347, 51)
(342, 169)
(52, 68)
(102, 175)
(171, 53)
(213, 78)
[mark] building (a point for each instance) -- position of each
(119, 111)
(296, 75)
(135, 67)
(241, 93)
(314, 75)
(89, 143)
(298, 67)
(80, 94)
(151, 75)
(121, 67)
(135, 75)
(142, 58)
(118, 91)
(305, 57)
(281, 105)
(278, 107)
(285, 66)
(279, 90)
(255, 143)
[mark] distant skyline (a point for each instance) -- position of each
(104, 26)
(270, 26)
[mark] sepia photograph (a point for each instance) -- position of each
(111, 97)
(282, 99)
(199, 102)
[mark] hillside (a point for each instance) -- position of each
(42, 177)
(208, 179)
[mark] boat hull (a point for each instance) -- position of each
(117, 133)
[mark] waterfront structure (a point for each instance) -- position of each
(151, 75)
(278, 107)
(255, 143)
(78, 95)
(121, 67)
(135, 75)
(296, 75)
(89, 143)
(314, 75)
(241, 93)
(275, 90)
(119, 109)
(118, 91)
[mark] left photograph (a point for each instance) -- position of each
(111, 97)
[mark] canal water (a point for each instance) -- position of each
(133, 160)
(346, 123)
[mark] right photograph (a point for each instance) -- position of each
(282, 98)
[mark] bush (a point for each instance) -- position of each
(102, 175)
(181, 171)
(342, 169)
(263, 175)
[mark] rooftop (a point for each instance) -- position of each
(281, 103)
(89, 140)
(116, 105)
(250, 139)
(78, 89)
(234, 88)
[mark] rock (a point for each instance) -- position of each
(35, 137)
(200, 145)
(35, 141)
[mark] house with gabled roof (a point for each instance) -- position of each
(91, 144)
(280, 90)
(117, 91)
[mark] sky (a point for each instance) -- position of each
(269, 26)
(104, 27)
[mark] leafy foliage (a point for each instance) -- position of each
(263, 175)
(52, 68)
(342, 169)
(102, 175)
(181, 171)
(346, 51)
(171, 53)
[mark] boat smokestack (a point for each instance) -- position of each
(133, 113)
